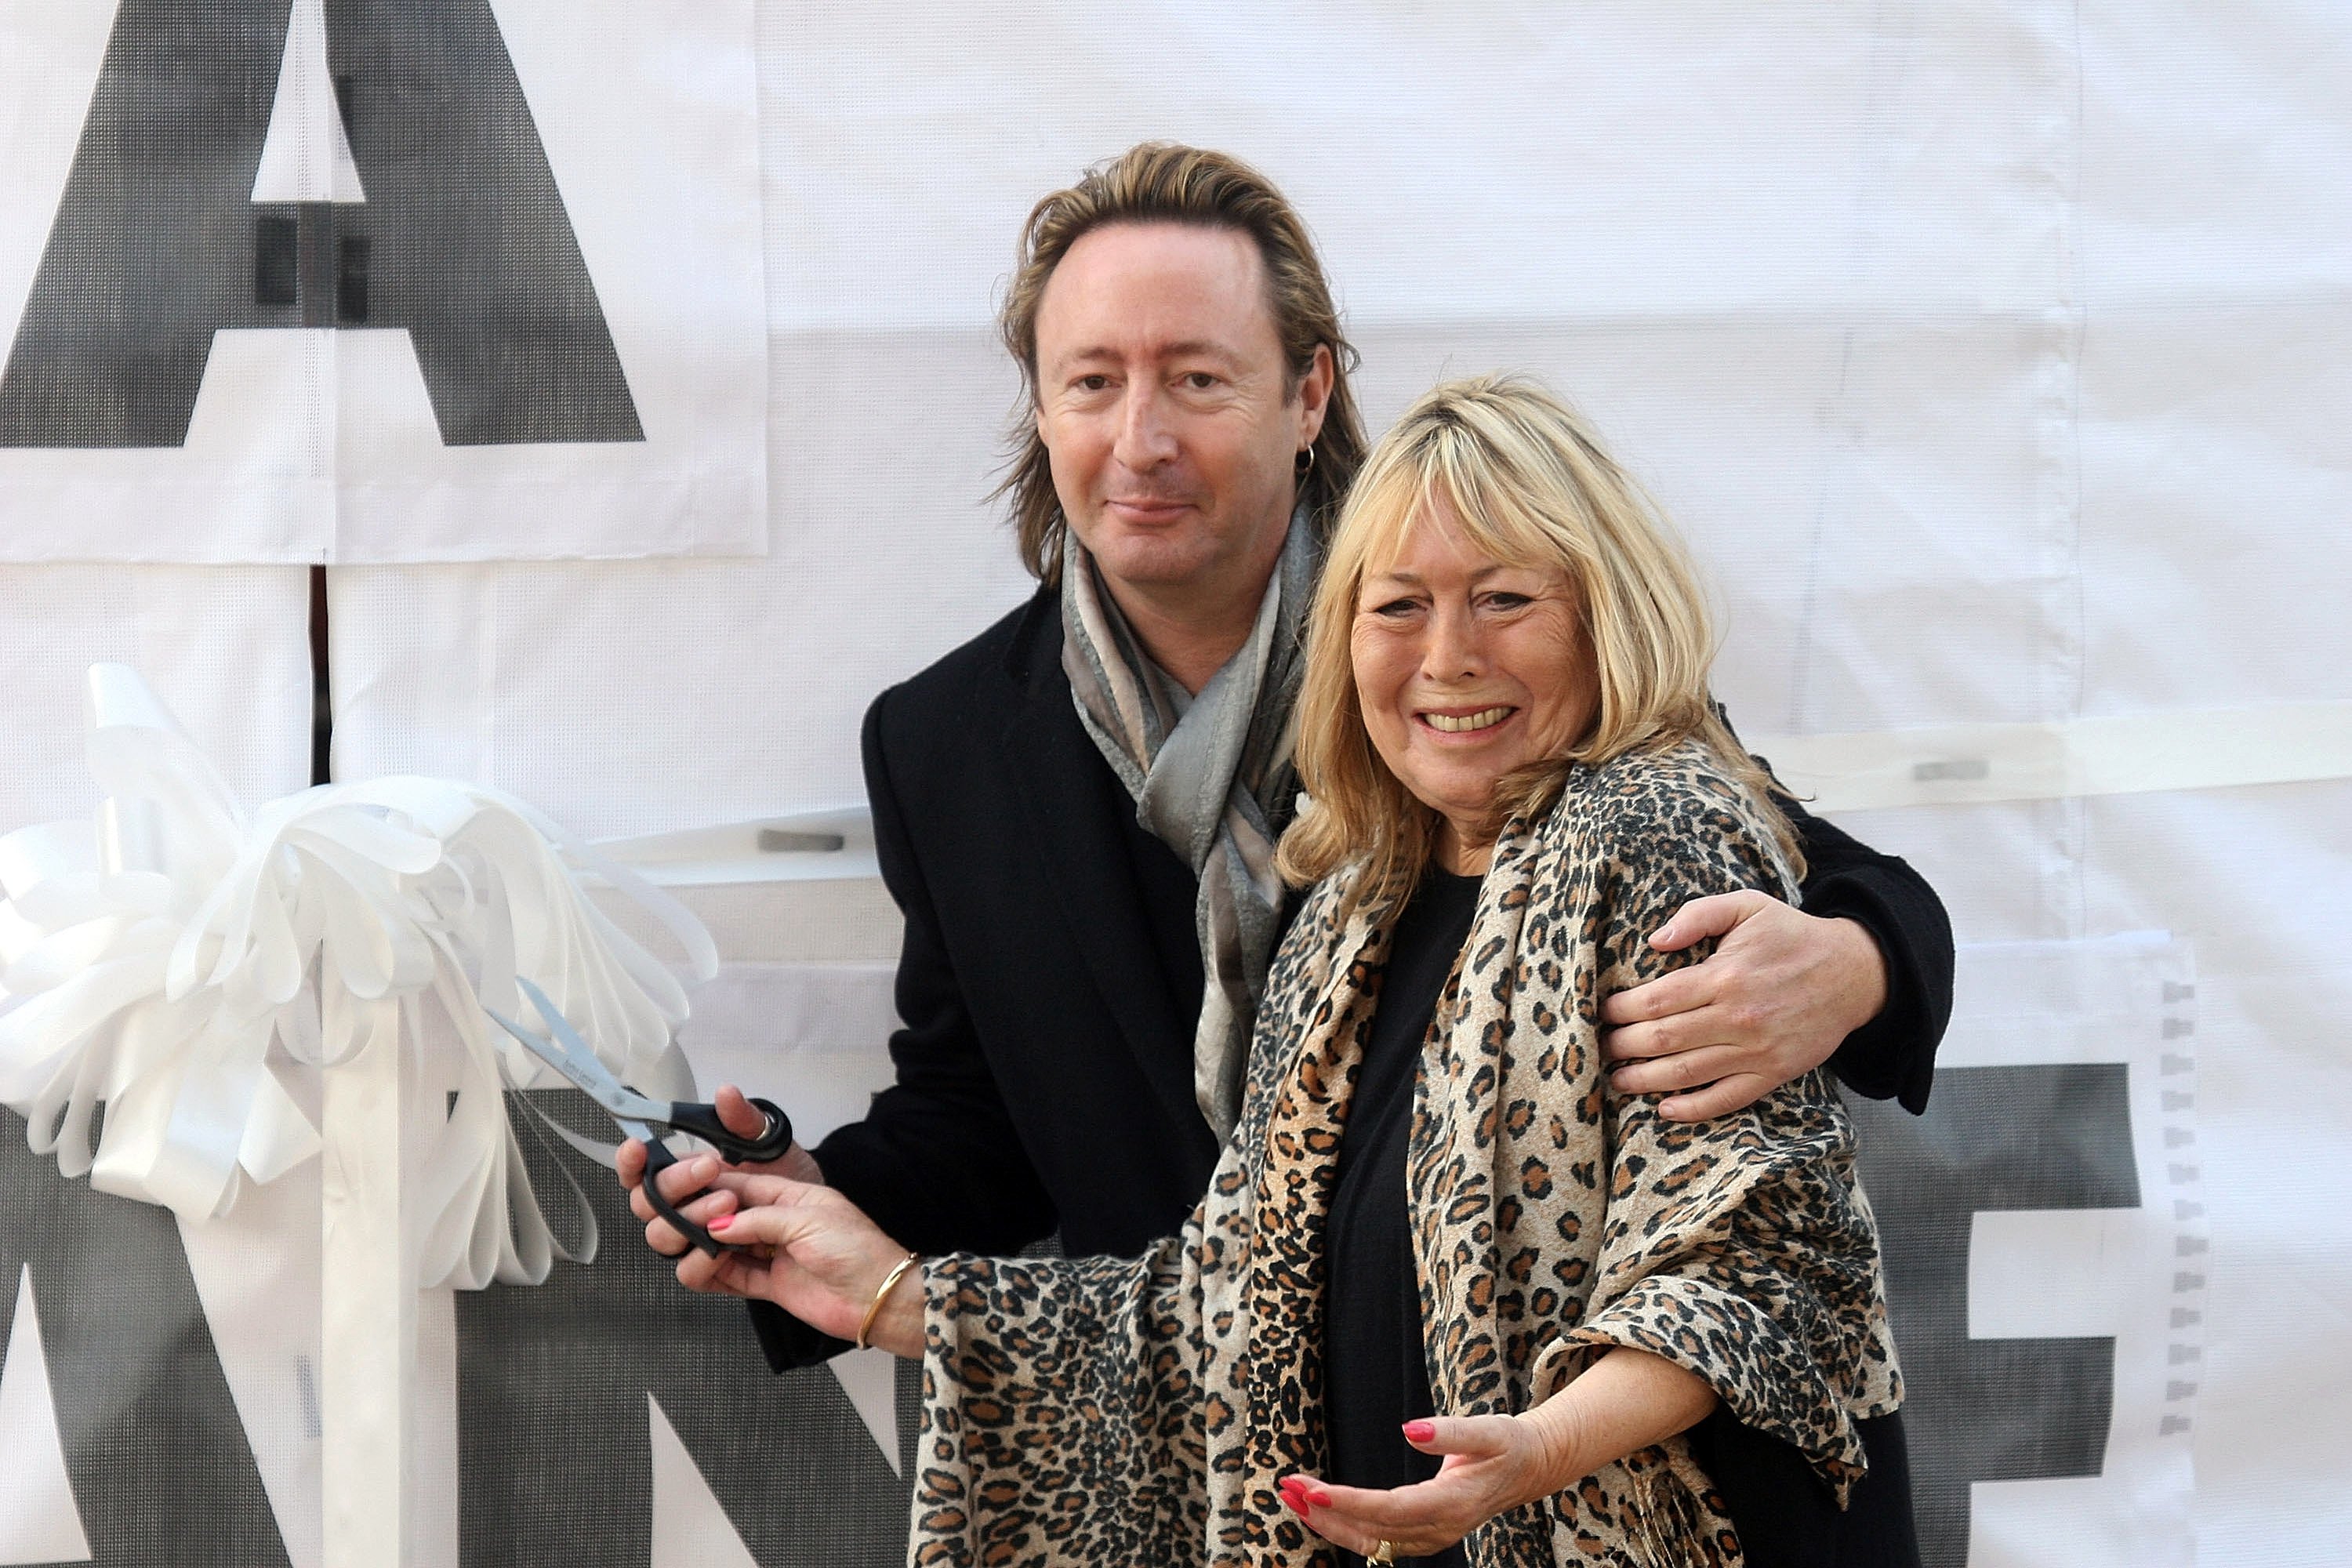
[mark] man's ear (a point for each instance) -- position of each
(1315, 395)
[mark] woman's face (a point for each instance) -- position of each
(1467, 669)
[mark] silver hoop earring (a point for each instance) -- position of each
(1306, 464)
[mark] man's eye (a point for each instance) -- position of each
(1091, 382)
(1200, 380)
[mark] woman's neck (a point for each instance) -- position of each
(1458, 852)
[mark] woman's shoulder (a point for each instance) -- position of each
(1675, 801)
(1656, 786)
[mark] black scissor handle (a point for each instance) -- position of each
(659, 1159)
(702, 1121)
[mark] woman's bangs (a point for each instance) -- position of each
(1502, 519)
(1383, 512)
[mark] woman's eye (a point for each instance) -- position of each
(1508, 601)
(1091, 382)
(1395, 608)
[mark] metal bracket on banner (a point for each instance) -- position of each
(833, 845)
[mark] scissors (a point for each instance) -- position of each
(568, 1054)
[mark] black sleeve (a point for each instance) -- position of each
(937, 1162)
(1893, 1056)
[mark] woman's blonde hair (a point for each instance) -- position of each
(1161, 182)
(1530, 486)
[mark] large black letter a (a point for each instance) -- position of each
(463, 239)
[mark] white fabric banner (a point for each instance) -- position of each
(227, 648)
(1992, 358)
(1987, 358)
(338, 282)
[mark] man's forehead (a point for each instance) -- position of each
(1135, 345)
(1162, 291)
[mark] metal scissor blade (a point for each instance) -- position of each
(590, 1076)
(546, 1050)
(568, 1053)
(631, 1128)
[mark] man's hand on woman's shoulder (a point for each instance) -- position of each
(1777, 996)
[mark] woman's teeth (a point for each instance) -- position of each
(1481, 720)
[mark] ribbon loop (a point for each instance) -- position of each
(183, 963)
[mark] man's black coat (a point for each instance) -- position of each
(1050, 977)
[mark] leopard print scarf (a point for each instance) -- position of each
(1120, 1411)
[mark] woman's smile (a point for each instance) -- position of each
(1475, 722)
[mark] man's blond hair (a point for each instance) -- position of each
(1160, 182)
(1529, 485)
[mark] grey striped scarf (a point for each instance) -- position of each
(1212, 779)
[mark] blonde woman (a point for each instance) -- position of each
(1452, 1295)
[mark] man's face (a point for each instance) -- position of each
(1161, 397)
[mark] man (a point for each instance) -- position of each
(1075, 810)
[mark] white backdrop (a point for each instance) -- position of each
(1995, 360)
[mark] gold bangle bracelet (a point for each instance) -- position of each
(874, 1310)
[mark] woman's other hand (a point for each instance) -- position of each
(1628, 1399)
(1492, 1463)
(804, 1247)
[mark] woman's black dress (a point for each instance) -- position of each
(1376, 1377)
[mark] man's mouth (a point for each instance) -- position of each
(1462, 723)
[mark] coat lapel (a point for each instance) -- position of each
(1073, 801)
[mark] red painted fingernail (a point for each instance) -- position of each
(722, 1222)
(1420, 1431)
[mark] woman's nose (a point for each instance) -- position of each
(1454, 650)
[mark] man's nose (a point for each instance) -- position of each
(1146, 438)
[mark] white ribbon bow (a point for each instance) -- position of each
(191, 967)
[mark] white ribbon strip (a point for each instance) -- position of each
(2184, 750)
(367, 1303)
(188, 965)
